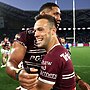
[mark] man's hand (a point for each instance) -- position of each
(26, 80)
(82, 84)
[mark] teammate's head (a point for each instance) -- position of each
(47, 6)
(6, 39)
(45, 30)
(62, 40)
(51, 9)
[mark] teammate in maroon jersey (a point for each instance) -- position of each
(57, 69)
(5, 50)
(24, 49)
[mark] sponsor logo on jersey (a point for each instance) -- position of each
(66, 56)
(48, 75)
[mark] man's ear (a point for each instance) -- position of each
(42, 13)
(53, 31)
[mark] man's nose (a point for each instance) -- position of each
(58, 18)
(36, 33)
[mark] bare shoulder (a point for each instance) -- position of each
(18, 51)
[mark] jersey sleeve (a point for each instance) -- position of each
(21, 38)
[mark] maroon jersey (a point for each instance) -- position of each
(57, 69)
(33, 55)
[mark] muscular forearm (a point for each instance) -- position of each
(83, 85)
(11, 69)
(17, 54)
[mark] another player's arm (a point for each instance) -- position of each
(2, 43)
(82, 84)
(9, 45)
(17, 54)
(26, 80)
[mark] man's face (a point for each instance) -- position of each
(42, 33)
(62, 40)
(55, 12)
(5, 39)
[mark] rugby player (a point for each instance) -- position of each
(57, 70)
(24, 49)
(5, 51)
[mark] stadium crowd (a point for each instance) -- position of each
(81, 36)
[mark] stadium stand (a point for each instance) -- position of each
(13, 20)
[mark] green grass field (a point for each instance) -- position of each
(81, 61)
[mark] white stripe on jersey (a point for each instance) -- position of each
(68, 76)
(46, 81)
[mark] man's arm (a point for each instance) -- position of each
(17, 54)
(82, 84)
(26, 80)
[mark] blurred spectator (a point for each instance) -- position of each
(5, 50)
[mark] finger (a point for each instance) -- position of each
(33, 70)
(28, 81)
(29, 85)
(24, 74)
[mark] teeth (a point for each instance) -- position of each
(39, 39)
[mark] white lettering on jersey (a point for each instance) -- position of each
(44, 64)
(48, 75)
(36, 58)
(66, 56)
(43, 67)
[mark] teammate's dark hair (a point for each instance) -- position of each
(6, 38)
(48, 5)
(51, 19)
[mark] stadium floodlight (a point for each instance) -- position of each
(88, 28)
(23, 29)
(83, 28)
(27, 28)
(64, 28)
(78, 28)
(69, 28)
(60, 28)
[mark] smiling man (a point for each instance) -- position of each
(57, 71)
(24, 49)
